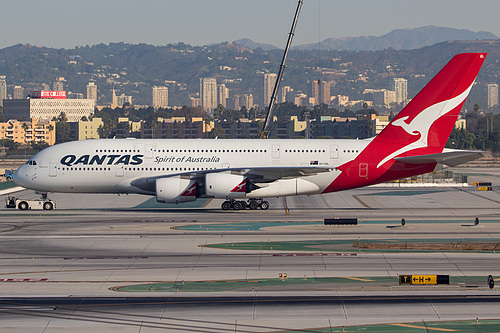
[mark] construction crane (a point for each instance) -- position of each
(267, 123)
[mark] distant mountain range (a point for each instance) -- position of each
(247, 42)
(400, 39)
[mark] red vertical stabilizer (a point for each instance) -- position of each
(421, 128)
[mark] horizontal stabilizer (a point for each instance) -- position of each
(448, 157)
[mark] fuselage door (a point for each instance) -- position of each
(148, 153)
(276, 151)
(119, 172)
(363, 170)
(52, 169)
(334, 151)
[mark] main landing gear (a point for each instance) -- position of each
(252, 204)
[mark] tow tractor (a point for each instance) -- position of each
(25, 204)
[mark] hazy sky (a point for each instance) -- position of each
(66, 24)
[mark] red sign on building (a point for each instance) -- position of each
(48, 94)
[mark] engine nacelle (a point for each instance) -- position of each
(175, 190)
(284, 187)
(225, 185)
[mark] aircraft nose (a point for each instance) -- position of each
(21, 176)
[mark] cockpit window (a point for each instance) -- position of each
(30, 162)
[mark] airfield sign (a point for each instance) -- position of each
(424, 279)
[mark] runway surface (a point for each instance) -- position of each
(59, 269)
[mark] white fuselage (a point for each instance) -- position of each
(111, 166)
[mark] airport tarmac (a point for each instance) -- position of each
(60, 269)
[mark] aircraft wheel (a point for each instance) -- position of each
(264, 205)
(23, 205)
(226, 205)
(237, 205)
(48, 205)
(243, 205)
(253, 205)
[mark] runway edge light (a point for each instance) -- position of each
(491, 282)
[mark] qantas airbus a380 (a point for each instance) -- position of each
(243, 172)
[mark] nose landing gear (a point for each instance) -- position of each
(252, 204)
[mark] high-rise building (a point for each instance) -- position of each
(160, 97)
(92, 91)
(325, 92)
(313, 91)
(18, 92)
(223, 94)
(208, 94)
(401, 89)
(122, 99)
(3, 89)
(492, 95)
(319, 91)
(246, 100)
(234, 103)
(269, 82)
(59, 84)
(284, 91)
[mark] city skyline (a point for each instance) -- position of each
(157, 22)
(211, 95)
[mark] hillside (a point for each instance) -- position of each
(134, 68)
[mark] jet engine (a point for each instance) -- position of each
(226, 186)
(176, 190)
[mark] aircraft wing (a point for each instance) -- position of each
(449, 157)
(272, 174)
(261, 175)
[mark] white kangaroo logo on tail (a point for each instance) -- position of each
(423, 121)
